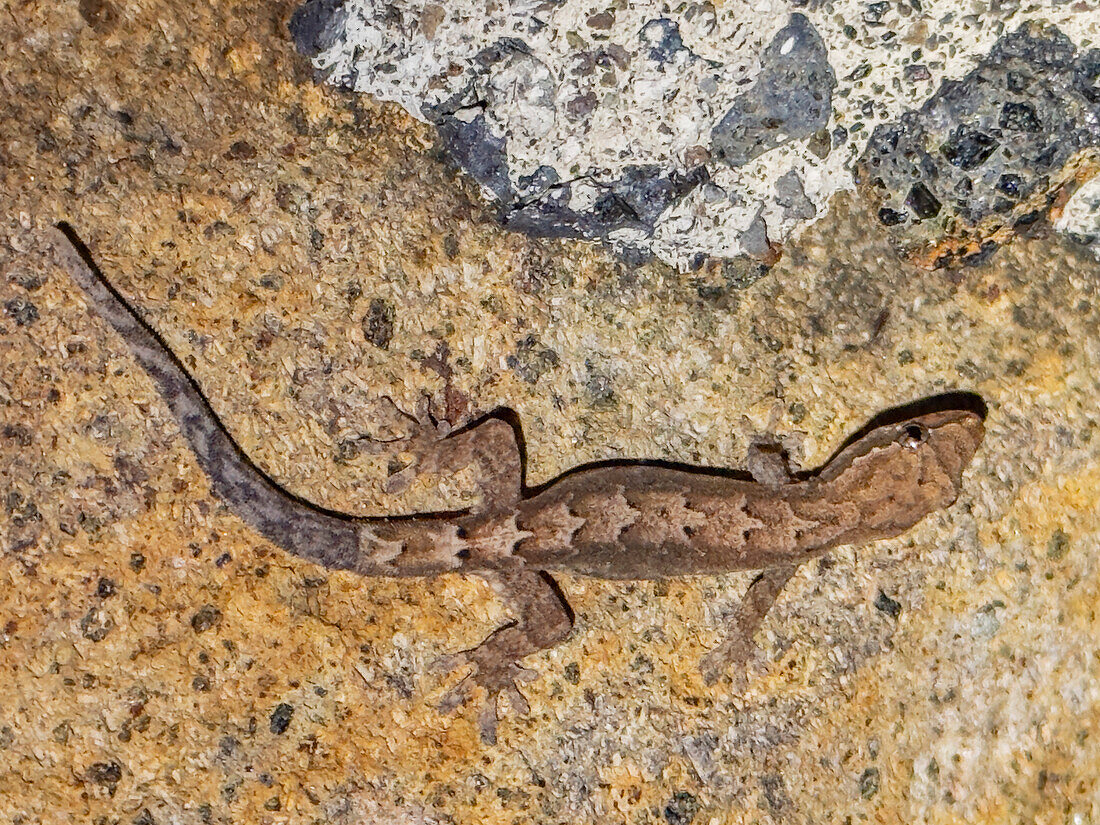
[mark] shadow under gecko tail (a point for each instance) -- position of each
(333, 539)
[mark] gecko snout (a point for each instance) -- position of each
(950, 438)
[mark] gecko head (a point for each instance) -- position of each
(943, 444)
(899, 472)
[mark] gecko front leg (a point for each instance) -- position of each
(492, 446)
(769, 463)
(738, 649)
(543, 619)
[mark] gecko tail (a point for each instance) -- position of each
(300, 527)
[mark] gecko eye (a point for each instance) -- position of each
(913, 435)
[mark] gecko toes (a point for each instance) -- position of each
(399, 482)
(518, 701)
(447, 663)
(458, 695)
(738, 656)
(487, 723)
(498, 680)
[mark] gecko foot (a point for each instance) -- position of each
(490, 445)
(737, 650)
(424, 432)
(740, 657)
(543, 620)
(498, 678)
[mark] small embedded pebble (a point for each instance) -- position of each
(887, 605)
(280, 718)
(205, 618)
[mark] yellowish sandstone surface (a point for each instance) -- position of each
(308, 255)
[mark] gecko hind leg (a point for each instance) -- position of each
(737, 649)
(543, 619)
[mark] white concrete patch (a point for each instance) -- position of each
(591, 89)
(1081, 215)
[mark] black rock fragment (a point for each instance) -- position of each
(280, 718)
(791, 98)
(986, 150)
(317, 24)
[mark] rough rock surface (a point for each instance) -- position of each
(790, 99)
(989, 153)
(666, 129)
(1080, 218)
(307, 253)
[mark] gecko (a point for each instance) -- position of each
(627, 520)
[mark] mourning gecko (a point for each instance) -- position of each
(613, 520)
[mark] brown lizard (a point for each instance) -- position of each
(614, 520)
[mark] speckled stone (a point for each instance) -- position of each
(991, 153)
(308, 254)
(790, 99)
(666, 130)
(1080, 218)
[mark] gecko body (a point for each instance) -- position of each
(614, 520)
